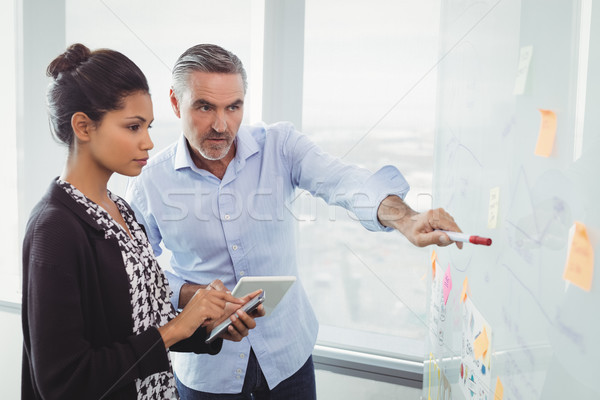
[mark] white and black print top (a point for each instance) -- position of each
(148, 286)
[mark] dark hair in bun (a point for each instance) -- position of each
(69, 60)
(92, 82)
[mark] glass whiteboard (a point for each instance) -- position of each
(506, 69)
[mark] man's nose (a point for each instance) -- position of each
(220, 123)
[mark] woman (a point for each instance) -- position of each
(97, 316)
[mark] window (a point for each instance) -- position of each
(369, 97)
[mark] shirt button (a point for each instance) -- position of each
(242, 273)
(227, 217)
(238, 377)
(234, 247)
(242, 355)
(239, 371)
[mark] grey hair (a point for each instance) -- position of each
(205, 58)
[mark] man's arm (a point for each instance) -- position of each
(421, 229)
(187, 292)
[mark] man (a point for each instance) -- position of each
(219, 199)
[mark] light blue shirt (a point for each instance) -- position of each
(244, 225)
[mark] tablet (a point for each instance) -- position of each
(275, 286)
(248, 308)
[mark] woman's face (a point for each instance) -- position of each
(120, 142)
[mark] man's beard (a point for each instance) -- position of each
(209, 153)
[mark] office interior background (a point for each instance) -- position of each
(358, 77)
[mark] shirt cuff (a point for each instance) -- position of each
(175, 283)
(388, 181)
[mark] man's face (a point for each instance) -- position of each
(211, 111)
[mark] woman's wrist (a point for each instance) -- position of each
(170, 333)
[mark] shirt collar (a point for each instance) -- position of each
(183, 158)
(245, 143)
(246, 147)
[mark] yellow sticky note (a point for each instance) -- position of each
(579, 268)
(547, 133)
(465, 289)
(481, 343)
(433, 258)
(493, 208)
(499, 392)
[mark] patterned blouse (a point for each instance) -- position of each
(148, 286)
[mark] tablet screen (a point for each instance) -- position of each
(276, 286)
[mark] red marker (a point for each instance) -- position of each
(463, 237)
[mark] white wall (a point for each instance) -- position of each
(332, 386)
(10, 358)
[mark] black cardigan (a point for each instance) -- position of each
(76, 311)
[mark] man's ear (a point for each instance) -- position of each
(174, 103)
(82, 126)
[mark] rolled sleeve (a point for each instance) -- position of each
(388, 181)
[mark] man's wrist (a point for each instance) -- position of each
(393, 212)
(187, 291)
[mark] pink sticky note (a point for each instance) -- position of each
(447, 284)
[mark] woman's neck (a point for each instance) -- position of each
(88, 179)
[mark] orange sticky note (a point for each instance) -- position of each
(480, 344)
(547, 133)
(465, 289)
(499, 392)
(579, 268)
(433, 258)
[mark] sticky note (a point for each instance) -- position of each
(465, 289)
(579, 268)
(480, 345)
(525, 56)
(433, 258)
(493, 208)
(547, 133)
(499, 391)
(447, 284)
